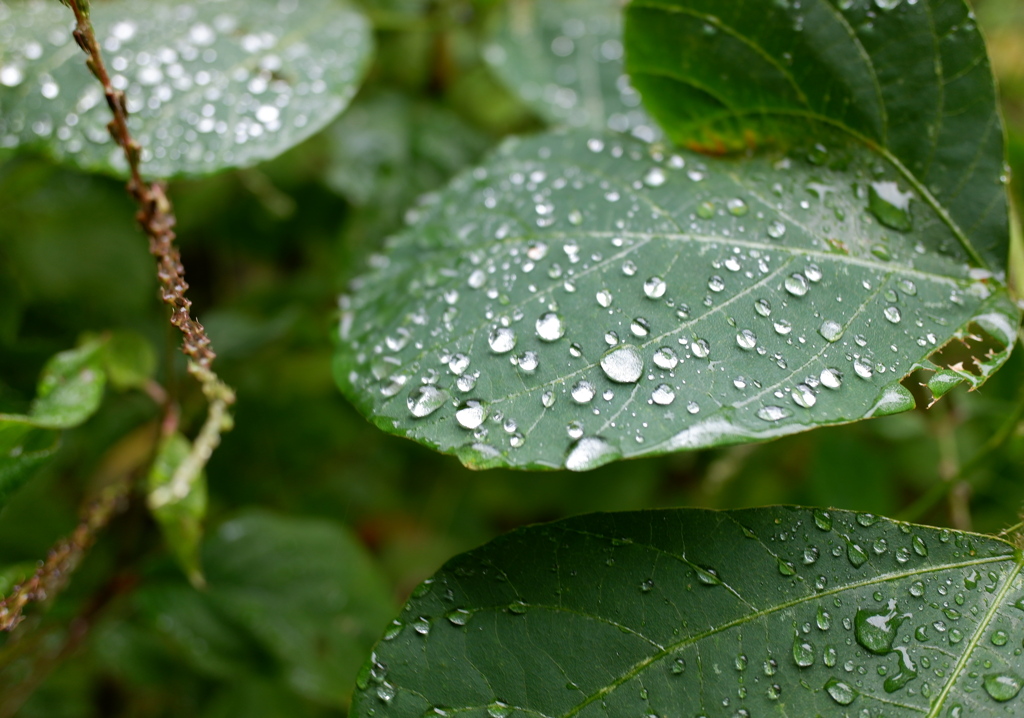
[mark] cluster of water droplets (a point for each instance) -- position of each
(207, 85)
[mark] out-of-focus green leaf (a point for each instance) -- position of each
(565, 60)
(180, 516)
(761, 612)
(70, 391)
(209, 85)
(581, 298)
(11, 576)
(129, 360)
(909, 81)
(302, 590)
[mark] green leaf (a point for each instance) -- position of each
(209, 85)
(910, 81)
(180, 516)
(70, 391)
(582, 297)
(763, 612)
(565, 60)
(302, 590)
(129, 360)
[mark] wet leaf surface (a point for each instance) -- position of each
(209, 85)
(584, 297)
(763, 612)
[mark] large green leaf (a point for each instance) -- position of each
(565, 60)
(70, 391)
(209, 85)
(909, 79)
(760, 612)
(583, 297)
(295, 598)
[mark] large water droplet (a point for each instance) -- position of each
(773, 413)
(604, 298)
(842, 693)
(890, 205)
(550, 327)
(803, 652)
(823, 519)
(582, 391)
(665, 358)
(892, 314)
(856, 555)
(425, 400)
(906, 671)
(1002, 686)
(776, 229)
(501, 340)
(796, 284)
(831, 378)
(700, 348)
(623, 364)
(875, 629)
(655, 177)
(663, 395)
(655, 287)
(763, 307)
(803, 396)
(589, 453)
(528, 361)
(746, 339)
(471, 414)
(831, 330)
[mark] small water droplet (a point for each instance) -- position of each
(803, 653)
(803, 396)
(640, 327)
(425, 400)
(773, 413)
(746, 339)
(763, 307)
(700, 348)
(707, 576)
(831, 330)
(497, 709)
(582, 391)
(501, 340)
(842, 693)
(823, 520)
(655, 287)
(550, 327)
(920, 548)
(776, 229)
(831, 378)
(863, 369)
(547, 399)
(623, 364)
(663, 395)
(737, 207)
(892, 314)
(629, 268)
(528, 361)
(856, 555)
(716, 283)
(604, 298)
(655, 177)
(783, 326)
(665, 358)
(421, 625)
(458, 616)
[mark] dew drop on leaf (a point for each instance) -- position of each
(796, 284)
(763, 307)
(425, 400)
(776, 229)
(875, 629)
(842, 693)
(700, 348)
(1002, 686)
(590, 452)
(746, 339)
(665, 358)
(550, 327)
(773, 413)
(582, 391)
(831, 378)
(803, 652)
(831, 330)
(471, 414)
(654, 287)
(890, 205)
(663, 395)
(622, 364)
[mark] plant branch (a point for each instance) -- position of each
(156, 218)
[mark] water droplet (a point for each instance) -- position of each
(421, 625)
(550, 327)
(706, 210)
(547, 399)
(856, 555)
(518, 608)
(477, 279)
(892, 314)
(776, 229)
(647, 586)
(623, 364)
(693, 407)
(842, 693)
(823, 620)
(467, 382)
(746, 339)
(823, 520)
(394, 628)
(813, 273)
(907, 287)
(803, 653)
(890, 205)
(920, 548)
(707, 576)
(640, 327)
(1002, 686)
(773, 413)
(582, 391)
(655, 287)
(803, 396)
(831, 378)
(796, 284)
(655, 177)
(831, 330)
(604, 298)
(863, 369)
(763, 307)
(502, 340)
(999, 638)
(11, 75)
(458, 616)
(663, 395)
(700, 348)
(783, 326)
(906, 671)
(629, 268)
(425, 400)
(737, 207)
(811, 554)
(471, 414)
(875, 629)
(386, 692)
(665, 358)
(678, 665)
(497, 709)
(716, 284)
(528, 361)
(786, 568)
(589, 453)
(458, 364)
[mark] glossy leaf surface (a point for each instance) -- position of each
(70, 391)
(909, 80)
(209, 85)
(585, 297)
(762, 612)
(565, 59)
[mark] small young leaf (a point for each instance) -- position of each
(180, 517)
(684, 612)
(129, 360)
(209, 85)
(584, 297)
(70, 391)
(565, 60)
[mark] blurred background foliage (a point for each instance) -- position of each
(320, 525)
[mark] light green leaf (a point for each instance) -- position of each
(180, 516)
(761, 612)
(209, 85)
(585, 297)
(565, 60)
(129, 360)
(302, 590)
(910, 81)
(70, 391)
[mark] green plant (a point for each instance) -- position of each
(805, 222)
